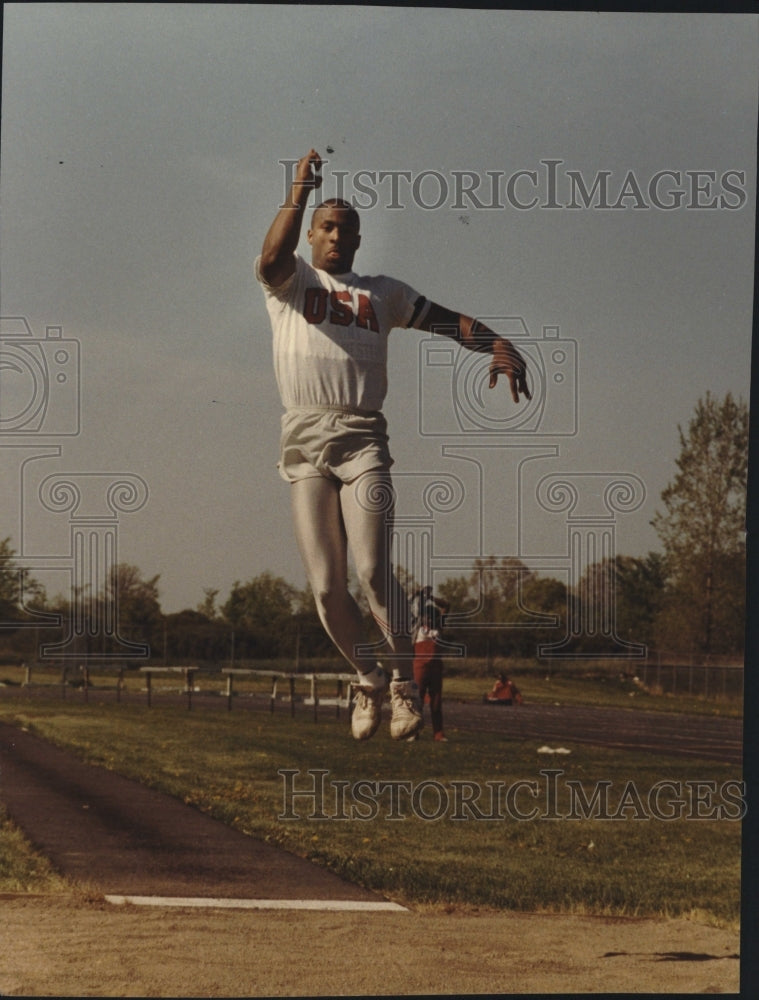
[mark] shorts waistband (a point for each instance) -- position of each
(328, 408)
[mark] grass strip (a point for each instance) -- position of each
(22, 869)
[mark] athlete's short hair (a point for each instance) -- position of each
(338, 203)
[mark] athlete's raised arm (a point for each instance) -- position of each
(475, 336)
(281, 241)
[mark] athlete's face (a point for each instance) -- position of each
(334, 239)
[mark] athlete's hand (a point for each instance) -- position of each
(308, 171)
(509, 362)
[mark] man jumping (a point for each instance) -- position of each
(330, 328)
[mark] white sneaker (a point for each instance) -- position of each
(407, 709)
(367, 711)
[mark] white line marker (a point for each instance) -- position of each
(259, 904)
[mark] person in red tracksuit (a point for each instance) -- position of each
(427, 621)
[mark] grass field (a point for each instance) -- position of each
(418, 821)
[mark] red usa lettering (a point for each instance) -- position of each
(319, 303)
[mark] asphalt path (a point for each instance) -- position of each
(123, 839)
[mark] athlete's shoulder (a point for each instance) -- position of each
(384, 281)
(302, 271)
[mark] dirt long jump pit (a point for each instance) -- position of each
(169, 902)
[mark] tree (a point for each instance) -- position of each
(536, 614)
(139, 608)
(640, 585)
(702, 530)
(192, 637)
(507, 607)
(17, 589)
(260, 612)
(630, 587)
(208, 607)
(9, 583)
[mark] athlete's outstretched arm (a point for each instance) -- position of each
(281, 242)
(475, 336)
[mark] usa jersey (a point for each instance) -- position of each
(330, 334)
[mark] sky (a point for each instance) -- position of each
(585, 180)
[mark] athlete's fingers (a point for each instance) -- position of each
(516, 376)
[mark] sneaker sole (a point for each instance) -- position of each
(360, 737)
(409, 733)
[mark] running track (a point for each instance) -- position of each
(698, 736)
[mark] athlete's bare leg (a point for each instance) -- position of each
(323, 544)
(331, 519)
(367, 505)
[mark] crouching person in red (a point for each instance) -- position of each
(427, 619)
(505, 692)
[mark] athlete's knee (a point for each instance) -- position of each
(332, 599)
(373, 581)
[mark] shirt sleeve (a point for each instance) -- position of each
(278, 291)
(408, 305)
(421, 308)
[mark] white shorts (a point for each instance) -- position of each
(336, 442)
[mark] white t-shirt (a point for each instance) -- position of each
(330, 334)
